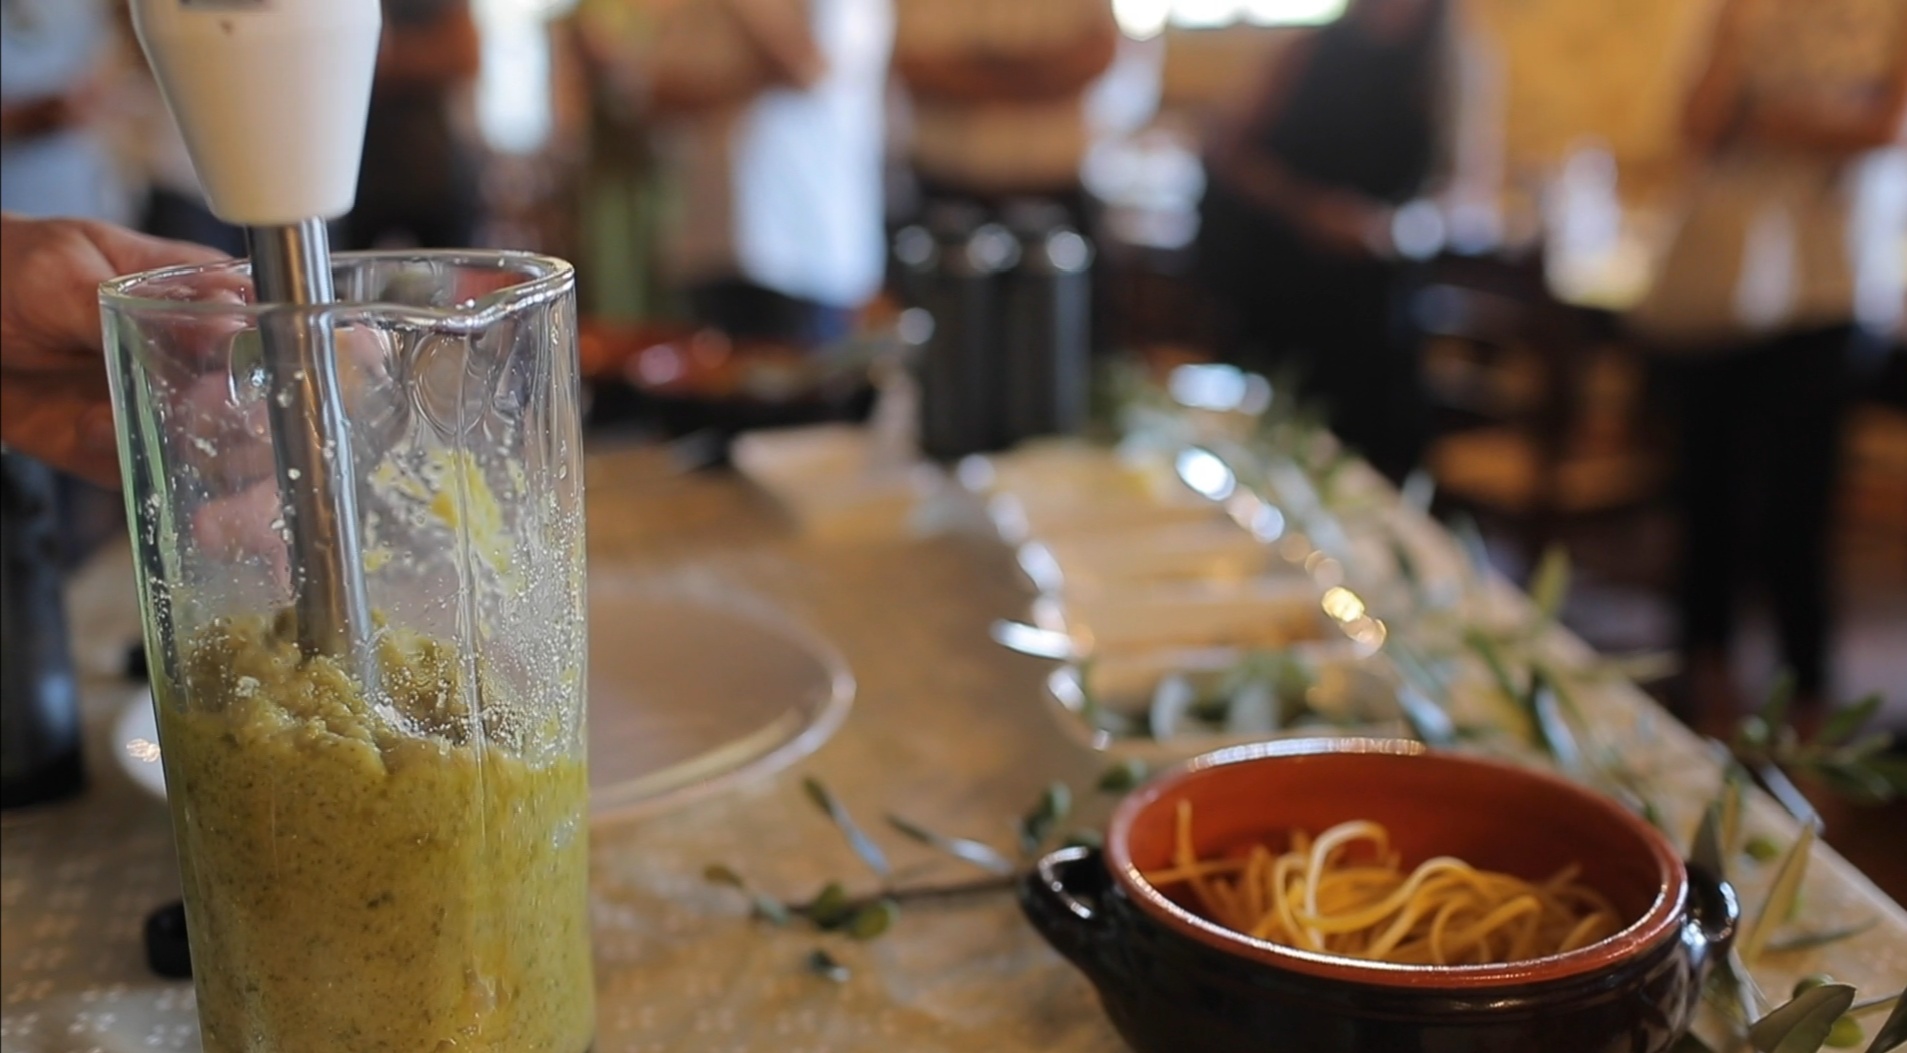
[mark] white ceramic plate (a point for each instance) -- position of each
(693, 688)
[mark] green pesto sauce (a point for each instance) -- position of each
(370, 879)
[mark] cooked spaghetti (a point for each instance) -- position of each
(1345, 892)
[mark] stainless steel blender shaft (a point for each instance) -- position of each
(311, 440)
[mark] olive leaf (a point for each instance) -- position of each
(824, 965)
(1803, 941)
(1055, 803)
(1492, 655)
(1846, 1033)
(1893, 769)
(1802, 1025)
(831, 908)
(1084, 839)
(1419, 490)
(1470, 539)
(1866, 746)
(1652, 813)
(1089, 705)
(976, 853)
(1253, 710)
(1552, 731)
(1761, 849)
(1853, 781)
(1774, 711)
(1734, 779)
(1783, 894)
(1428, 721)
(1407, 567)
(1893, 1033)
(765, 907)
(1123, 776)
(1705, 851)
(1787, 794)
(1738, 987)
(1172, 700)
(863, 845)
(1643, 667)
(1868, 1005)
(1549, 586)
(874, 919)
(1843, 724)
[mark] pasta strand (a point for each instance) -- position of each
(1325, 894)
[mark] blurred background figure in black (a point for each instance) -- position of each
(1786, 260)
(1295, 235)
(419, 184)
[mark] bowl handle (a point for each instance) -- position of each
(1714, 915)
(1062, 898)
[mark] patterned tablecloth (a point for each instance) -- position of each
(948, 729)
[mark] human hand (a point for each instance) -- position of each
(54, 401)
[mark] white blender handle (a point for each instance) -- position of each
(271, 96)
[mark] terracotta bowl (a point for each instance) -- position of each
(1173, 981)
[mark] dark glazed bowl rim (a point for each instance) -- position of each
(1657, 924)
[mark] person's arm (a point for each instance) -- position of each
(36, 117)
(1712, 109)
(1331, 217)
(1046, 74)
(1880, 120)
(783, 40)
(54, 403)
(441, 50)
(780, 43)
(46, 114)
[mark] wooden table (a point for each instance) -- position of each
(948, 730)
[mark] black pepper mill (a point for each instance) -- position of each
(39, 698)
(1046, 324)
(962, 377)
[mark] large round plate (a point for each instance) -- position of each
(693, 688)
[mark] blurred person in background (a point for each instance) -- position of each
(625, 193)
(1295, 234)
(1000, 91)
(773, 112)
(418, 184)
(53, 161)
(1785, 264)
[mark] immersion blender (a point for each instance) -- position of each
(272, 97)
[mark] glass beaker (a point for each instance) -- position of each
(381, 851)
